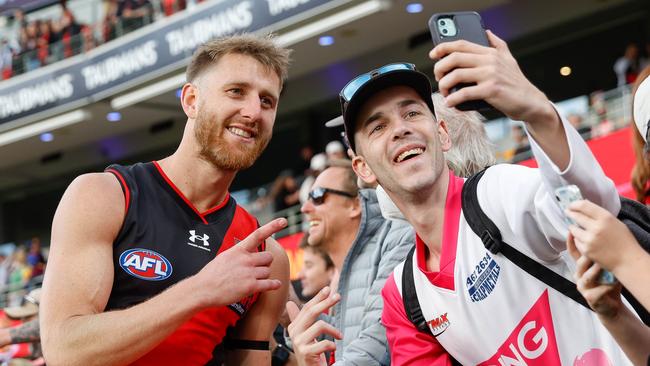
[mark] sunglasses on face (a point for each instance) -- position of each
(355, 84)
(317, 195)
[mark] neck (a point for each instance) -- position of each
(425, 211)
(201, 182)
(342, 243)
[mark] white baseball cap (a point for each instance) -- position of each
(642, 108)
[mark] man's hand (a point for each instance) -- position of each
(498, 78)
(304, 329)
(239, 271)
(604, 299)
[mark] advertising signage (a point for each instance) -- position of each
(118, 65)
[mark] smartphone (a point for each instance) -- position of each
(565, 195)
(467, 25)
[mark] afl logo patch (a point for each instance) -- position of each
(145, 264)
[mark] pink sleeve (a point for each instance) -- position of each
(408, 346)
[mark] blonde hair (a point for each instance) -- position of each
(471, 150)
(262, 49)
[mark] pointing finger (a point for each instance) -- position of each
(262, 233)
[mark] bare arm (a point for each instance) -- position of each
(629, 332)
(264, 316)
(80, 276)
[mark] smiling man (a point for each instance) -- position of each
(150, 264)
(347, 224)
(480, 308)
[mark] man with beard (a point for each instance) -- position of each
(150, 264)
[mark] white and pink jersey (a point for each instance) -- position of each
(484, 310)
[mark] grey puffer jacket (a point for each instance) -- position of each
(379, 246)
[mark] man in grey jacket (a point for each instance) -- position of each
(365, 248)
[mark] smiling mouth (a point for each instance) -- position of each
(240, 132)
(313, 223)
(409, 154)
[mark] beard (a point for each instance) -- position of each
(214, 149)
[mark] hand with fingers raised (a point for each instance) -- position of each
(239, 271)
(497, 77)
(305, 328)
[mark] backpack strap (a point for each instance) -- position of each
(410, 300)
(491, 238)
(410, 296)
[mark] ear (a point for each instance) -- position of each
(443, 134)
(362, 169)
(189, 100)
(355, 208)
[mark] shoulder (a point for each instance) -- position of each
(96, 189)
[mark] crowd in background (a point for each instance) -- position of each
(26, 45)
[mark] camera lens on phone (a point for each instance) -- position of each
(444, 31)
(442, 22)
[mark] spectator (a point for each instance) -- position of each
(35, 258)
(599, 240)
(111, 21)
(364, 247)
(627, 66)
(28, 47)
(170, 7)
(134, 14)
(66, 31)
(602, 241)
(317, 269)
(471, 150)
(403, 150)
(19, 274)
(6, 55)
(285, 192)
(317, 165)
(334, 150)
(306, 154)
(44, 40)
(576, 121)
(641, 170)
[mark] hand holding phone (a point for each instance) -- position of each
(571, 193)
(447, 27)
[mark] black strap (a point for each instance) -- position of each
(410, 296)
(246, 344)
(410, 300)
(491, 238)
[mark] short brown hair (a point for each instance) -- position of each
(304, 245)
(350, 179)
(262, 49)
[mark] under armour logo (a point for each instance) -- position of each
(204, 238)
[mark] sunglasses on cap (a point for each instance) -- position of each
(317, 195)
(355, 84)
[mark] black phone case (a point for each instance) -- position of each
(469, 26)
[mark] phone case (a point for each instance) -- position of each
(470, 28)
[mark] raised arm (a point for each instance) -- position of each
(80, 277)
(263, 317)
(500, 82)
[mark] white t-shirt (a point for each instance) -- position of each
(484, 310)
